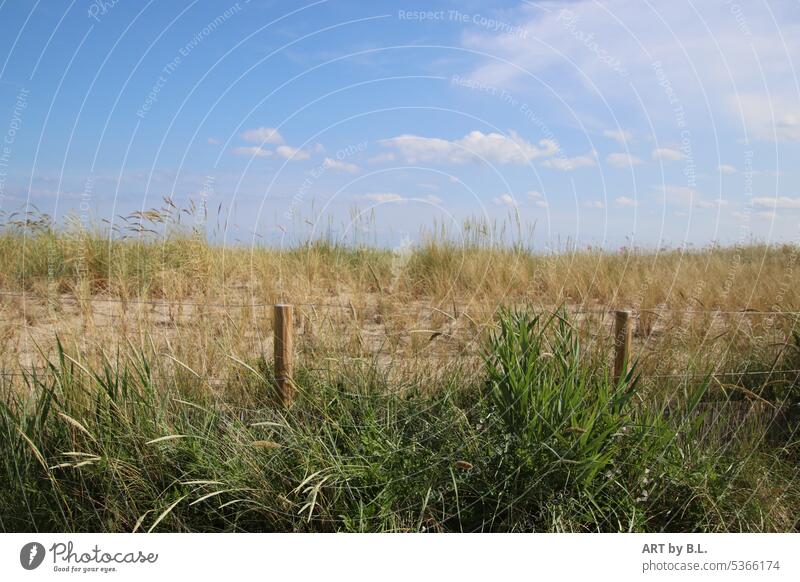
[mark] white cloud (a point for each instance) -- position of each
(253, 151)
(383, 158)
(212, 141)
(505, 200)
(510, 201)
(768, 215)
(620, 136)
(569, 164)
(769, 116)
(680, 194)
(686, 196)
(383, 197)
(269, 135)
(667, 154)
(620, 160)
(339, 166)
(710, 52)
(727, 169)
(263, 135)
(716, 203)
(783, 202)
(625, 201)
(492, 147)
(393, 197)
(291, 153)
(595, 204)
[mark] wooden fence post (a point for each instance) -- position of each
(284, 361)
(623, 336)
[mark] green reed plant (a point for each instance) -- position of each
(540, 440)
(548, 394)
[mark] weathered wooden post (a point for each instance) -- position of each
(623, 336)
(284, 360)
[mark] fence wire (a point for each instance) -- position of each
(353, 307)
(350, 307)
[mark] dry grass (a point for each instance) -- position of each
(155, 317)
(158, 283)
(204, 311)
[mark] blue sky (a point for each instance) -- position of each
(605, 123)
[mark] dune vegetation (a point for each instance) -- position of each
(462, 383)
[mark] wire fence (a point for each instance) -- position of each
(129, 325)
(351, 306)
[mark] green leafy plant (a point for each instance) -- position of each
(551, 398)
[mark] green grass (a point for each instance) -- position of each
(541, 439)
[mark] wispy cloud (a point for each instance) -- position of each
(340, 166)
(782, 202)
(622, 160)
(263, 135)
(570, 164)
(667, 154)
(770, 116)
(476, 145)
(713, 51)
(293, 154)
(716, 203)
(383, 197)
(620, 136)
(682, 195)
(252, 151)
(383, 158)
(689, 197)
(505, 200)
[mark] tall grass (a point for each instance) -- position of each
(540, 438)
(154, 254)
(136, 394)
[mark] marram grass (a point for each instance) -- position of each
(537, 438)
